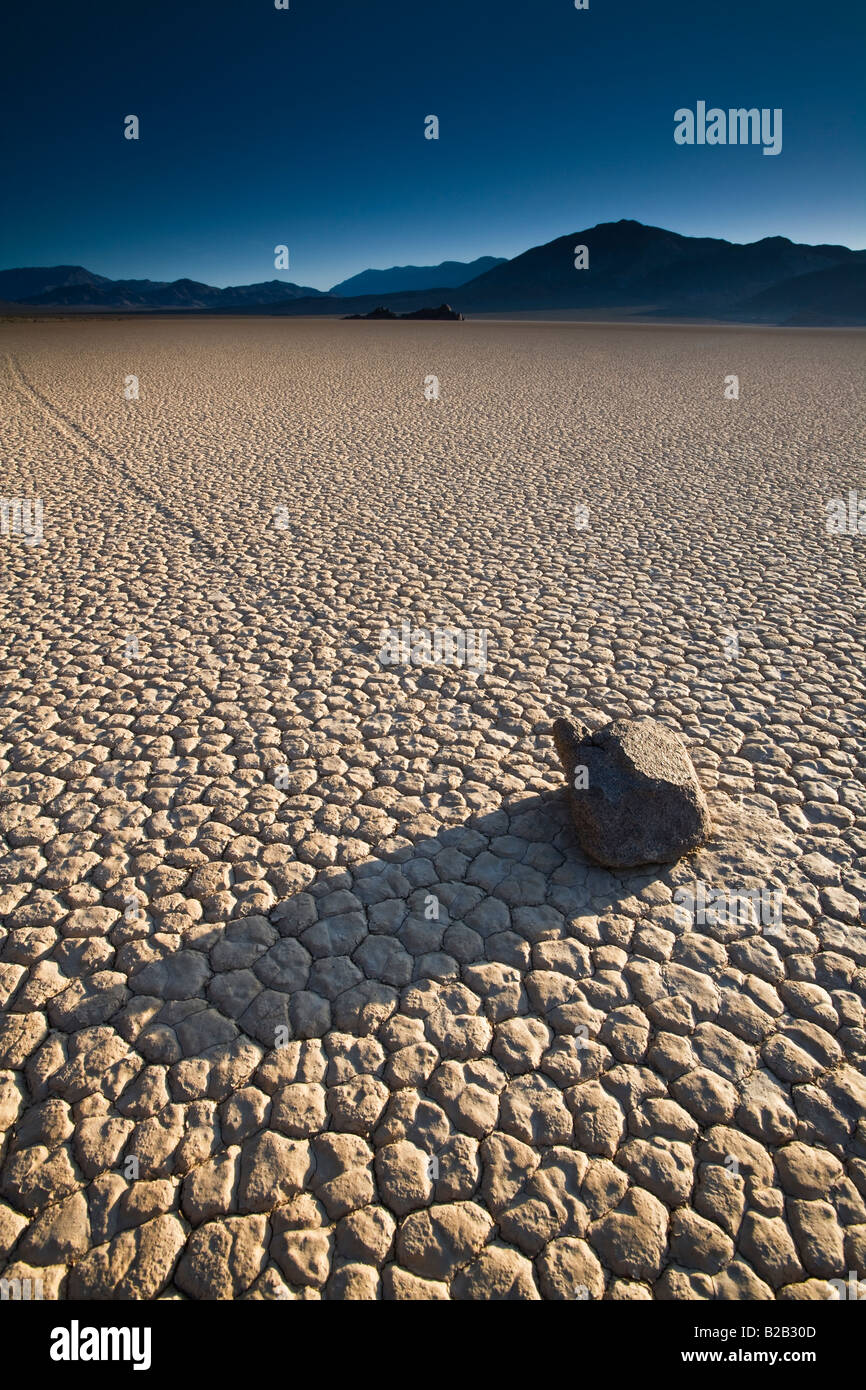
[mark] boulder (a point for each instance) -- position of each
(634, 794)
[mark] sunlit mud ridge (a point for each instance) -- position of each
(308, 989)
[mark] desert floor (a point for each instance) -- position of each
(308, 990)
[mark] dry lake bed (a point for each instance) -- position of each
(308, 991)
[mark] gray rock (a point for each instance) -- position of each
(639, 801)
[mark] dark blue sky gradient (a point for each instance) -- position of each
(261, 126)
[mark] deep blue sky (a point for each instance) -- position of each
(262, 126)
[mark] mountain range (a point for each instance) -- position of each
(74, 287)
(634, 271)
(448, 275)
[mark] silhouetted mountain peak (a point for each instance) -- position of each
(637, 268)
(23, 281)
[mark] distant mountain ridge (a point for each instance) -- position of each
(73, 286)
(633, 271)
(449, 274)
(22, 284)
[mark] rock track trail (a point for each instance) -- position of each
(307, 990)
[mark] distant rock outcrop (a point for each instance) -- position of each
(444, 311)
(378, 313)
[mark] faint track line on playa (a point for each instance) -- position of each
(243, 590)
(98, 453)
(206, 558)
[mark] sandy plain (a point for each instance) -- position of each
(308, 991)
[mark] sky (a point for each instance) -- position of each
(304, 127)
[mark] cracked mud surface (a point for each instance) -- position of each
(504, 1072)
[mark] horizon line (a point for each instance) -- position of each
(276, 279)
